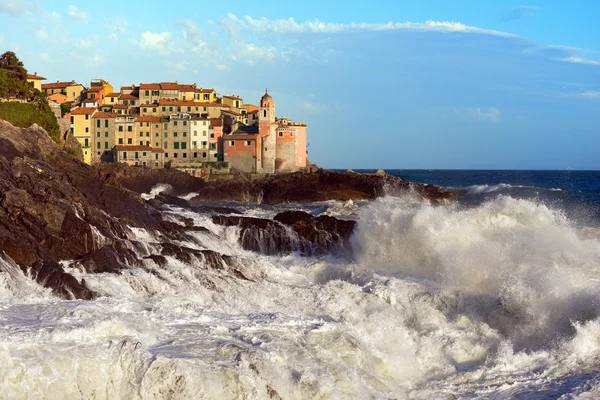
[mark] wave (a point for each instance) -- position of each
(156, 190)
(479, 189)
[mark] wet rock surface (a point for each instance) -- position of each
(53, 207)
(291, 231)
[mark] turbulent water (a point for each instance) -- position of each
(494, 297)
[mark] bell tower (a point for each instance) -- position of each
(266, 109)
(265, 161)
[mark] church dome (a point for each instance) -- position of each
(267, 100)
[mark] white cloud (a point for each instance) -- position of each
(192, 34)
(73, 12)
(290, 26)
(116, 26)
(489, 114)
(306, 105)
(41, 34)
(579, 60)
(155, 41)
(591, 94)
(15, 7)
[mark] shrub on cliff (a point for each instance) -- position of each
(24, 115)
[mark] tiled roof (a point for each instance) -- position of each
(169, 86)
(168, 102)
(58, 85)
(216, 122)
(96, 89)
(147, 118)
(233, 97)
(138, 148)
(187, 88)
(112, 95)
(120, 107)
(101, 114)
(83, 111)
(129, 97)
(201, 90)
(149, 86)
(90, 100)
(250, 107)
(36, 77)
(199, 104)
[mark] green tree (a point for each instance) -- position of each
(11, 63)
(13, 78)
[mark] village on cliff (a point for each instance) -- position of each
(181, 126)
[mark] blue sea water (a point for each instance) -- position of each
(577, 193)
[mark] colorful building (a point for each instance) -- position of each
(35, 80)
(71, 89)
(81, 129)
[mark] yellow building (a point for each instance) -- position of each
(82, 128)
(102, 83)
(70, 89)
(104, 137)
(35, 80)
(205, 95)
(187, 92)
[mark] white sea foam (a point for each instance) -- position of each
(497, 301)
(478, 189)
(156, 190)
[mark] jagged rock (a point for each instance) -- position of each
(51, 275)
(110, 258)
(215, 210)
(292, 231)
(318, 186)
(163, 198)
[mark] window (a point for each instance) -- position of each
(97, 123)
(148, 143)
(97, 134)
(206, 97)
(204, 122)
(184, 123)
(144, 163)
(145, 109)
(265, 113)
(184, 134)
(129, 128)
(183, 145)
(98, 145)
(147, 134)
(174, 123)
(143, 154)
(232, 143)
(106, 123)
(166, 134)
(156, 158)
(105, 145)
(137, 155)
(203, 144)
(195, 155)
(170, 108)
(120, 128)
(166, 155)
(195, 133)
(129, 141)
(174, 134)
(105, 134)
(153, 109)
(87, 142)
(164, 108)
(87, 117)
(147, 93)
(141, 142)
(124, 155)
(213, 146)
(120, 140)
(212, 135)
(204, 155)
(176, 145)
(194, 144)
(141, 134)
(166, 146)
(195, 123)
(204, 109)
(292, 134)
(87, 129)
(72, 119)
(184, 155)
(248, 143)
(280, 134)
(141, 124)
(174, 155)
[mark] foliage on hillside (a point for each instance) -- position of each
(24, 115)
(14, 85)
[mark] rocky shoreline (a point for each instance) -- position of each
(55, 208)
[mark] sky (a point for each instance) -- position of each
(467, 84)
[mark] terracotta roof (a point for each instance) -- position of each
(149, 86)
(216, 122)
(231, 112)
(112, 95)
(130, 87)
(169, 86)
(187, 88)
(169, 102)
(59, 85)
(233, 97)
(129, 97)
(36, 77)
(201, 90)
(120, 107)
(250, 107)
(90, 100)
(138, 148)
(199, 104)
(101, 114)
(96, 89)
(147, 118)
(83, 111)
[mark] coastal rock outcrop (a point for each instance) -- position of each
(291, 231)
(53, 207)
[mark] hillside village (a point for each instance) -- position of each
(181, 126)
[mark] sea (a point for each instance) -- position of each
(496, 296)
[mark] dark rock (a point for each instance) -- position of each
(158, 259)
(215, 210)
(170, 200)
(319, 186)
(292, 231)
(51, 275)
(110, 258)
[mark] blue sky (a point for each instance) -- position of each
(381, 84)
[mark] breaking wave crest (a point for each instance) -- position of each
(498, 300)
